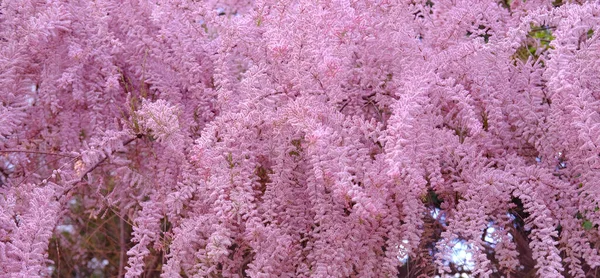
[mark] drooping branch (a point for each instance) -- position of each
(71, 183)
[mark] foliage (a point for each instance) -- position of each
(299, 138)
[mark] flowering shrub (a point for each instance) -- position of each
(299, 138)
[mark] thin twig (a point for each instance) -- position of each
(123, 245)
(89, 170)
(38, 152)
(270, 94)
(42, 166)
(344, 106)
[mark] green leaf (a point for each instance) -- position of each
(587, 225)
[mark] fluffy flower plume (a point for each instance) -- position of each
(161, 120)
(299, 138)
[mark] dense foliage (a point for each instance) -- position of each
(299, 138)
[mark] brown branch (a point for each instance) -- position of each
(89, 170)
(105, 158)
(270, 94)
(123, 245)
(38, 152)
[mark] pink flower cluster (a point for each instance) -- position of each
(303, 138)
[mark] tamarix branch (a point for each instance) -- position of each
(344, 138)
